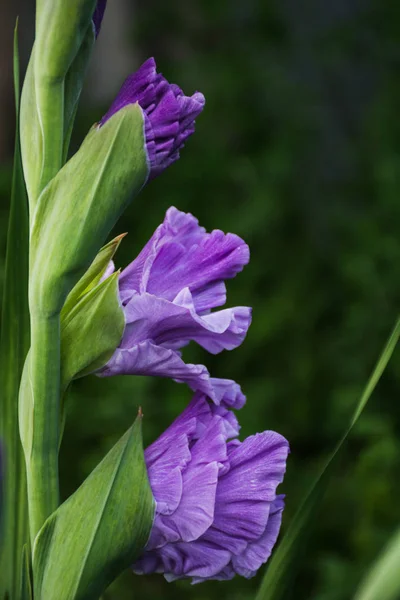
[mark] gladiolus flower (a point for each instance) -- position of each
(167, 294)
(217, 511)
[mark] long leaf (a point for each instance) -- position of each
(278, 573)
(14, 343)
(382, 582)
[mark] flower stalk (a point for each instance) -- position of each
(40, 418)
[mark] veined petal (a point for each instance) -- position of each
(181, 255)
(174, 324)
(146, 358)
(257, 552)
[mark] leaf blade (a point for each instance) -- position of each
(275, 581)
(14, 344)
(382, 581)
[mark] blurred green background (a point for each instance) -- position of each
(297, 152)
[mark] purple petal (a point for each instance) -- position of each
(179, 227)
(228, 392)
(98, 15)
(148, 359)
(184, 560)
(242, 509)
(109, 270)
(181, 254)
(260, 461)
(164, 466)
(174, 324)
(195, 511)
(258, 552)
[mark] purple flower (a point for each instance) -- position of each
(169, 115)
(167, 294)
(98, 16)
(217, 511)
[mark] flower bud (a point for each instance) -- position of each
(81, 204)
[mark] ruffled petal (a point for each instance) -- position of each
(182, 228)
(195, 512)
(174, 324)
(148, 359)
(202, 268)
(258, 552)
(182, 560)
(181, 255)
(247, 490)
(165, 460)
(228, 393)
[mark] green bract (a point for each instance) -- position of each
(93, 275)
(61, 30)
(81, 204)
(100, 530)
(91, 331)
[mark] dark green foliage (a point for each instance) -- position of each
(298, 152)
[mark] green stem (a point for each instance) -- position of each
(41, 445)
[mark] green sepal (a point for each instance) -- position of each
(26, 576)
(93, 275)
(100, 530)
(81, 204)
(91, 331)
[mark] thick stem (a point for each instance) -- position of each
(41, 444)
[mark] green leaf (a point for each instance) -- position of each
(100, 530)
(382, 582)
(26, 578)
(93, 275)
(281, 565)
(14, 344)
(81, 204)
(91, 331)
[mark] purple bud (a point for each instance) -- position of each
(169, 115)
(98, 15)
(168, 293)
(217, 510)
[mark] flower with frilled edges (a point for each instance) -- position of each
(168, 293)
(217, 510)
(169, 115)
